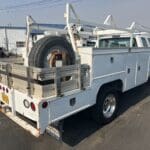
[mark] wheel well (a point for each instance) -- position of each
(117, 85)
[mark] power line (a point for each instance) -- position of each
(35, 3)
(60, 4)
(38, 4)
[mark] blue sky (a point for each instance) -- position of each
(124, 11)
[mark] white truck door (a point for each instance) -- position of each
(142, 68)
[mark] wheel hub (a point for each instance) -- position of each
(53, 55)
(109, 106)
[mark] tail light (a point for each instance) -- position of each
(33, 106)
(44, 105)
(3, 89)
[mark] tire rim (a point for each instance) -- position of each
(50, 60)
(109, 106)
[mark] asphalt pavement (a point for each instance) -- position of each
(129, 131)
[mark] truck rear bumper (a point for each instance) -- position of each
(47, 112)
(53, 130)
(28, 127)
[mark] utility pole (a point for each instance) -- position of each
(6, 40)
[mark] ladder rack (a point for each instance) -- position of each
(137, 28)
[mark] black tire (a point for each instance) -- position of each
(97, 110)
(45, 46)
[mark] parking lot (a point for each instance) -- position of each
(129, 131)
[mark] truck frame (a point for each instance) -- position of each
(48, 95)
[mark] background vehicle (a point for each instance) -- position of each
(3, 52)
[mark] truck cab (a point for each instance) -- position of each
(122, 39)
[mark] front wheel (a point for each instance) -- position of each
(106, 107)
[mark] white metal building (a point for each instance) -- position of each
(12, 38)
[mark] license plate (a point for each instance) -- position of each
(5, 98)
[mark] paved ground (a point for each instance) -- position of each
(130, 131)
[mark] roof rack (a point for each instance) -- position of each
(72, 18)
(110, 21)
(136, 27)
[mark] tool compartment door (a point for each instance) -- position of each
(130, 70)
(142, 68)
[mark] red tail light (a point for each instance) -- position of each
(33, 106)
(45, 104)
(4, 89)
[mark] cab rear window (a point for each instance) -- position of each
(114, 43)
(144, 42)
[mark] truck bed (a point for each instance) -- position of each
(43, 82)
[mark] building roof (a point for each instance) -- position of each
(12, 27)
(60, 26)
(41, 28)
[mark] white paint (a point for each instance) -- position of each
(108, 75)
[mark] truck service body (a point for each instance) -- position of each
(118, 62)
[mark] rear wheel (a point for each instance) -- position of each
(106, 107)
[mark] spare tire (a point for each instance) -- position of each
(43, 53)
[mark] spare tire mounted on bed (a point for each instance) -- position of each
(47, 50)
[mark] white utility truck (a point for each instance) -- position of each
(67, 71)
